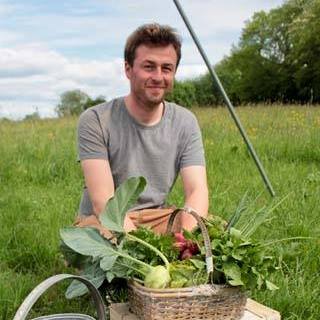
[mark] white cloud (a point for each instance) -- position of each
(37, 76)
(190, 71)
(45, 52)
(28, 60)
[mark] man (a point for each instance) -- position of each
(143, 135)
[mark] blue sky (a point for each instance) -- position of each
(48, 47)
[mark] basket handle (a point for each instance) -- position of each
(204, 231)
(34, 295)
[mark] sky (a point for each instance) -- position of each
(49, 47)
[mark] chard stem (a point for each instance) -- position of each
(151, 247)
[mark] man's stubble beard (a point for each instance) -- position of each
(152, 102)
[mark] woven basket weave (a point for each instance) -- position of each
(209, 301)
(212, 302)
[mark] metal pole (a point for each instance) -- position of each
(226, 99)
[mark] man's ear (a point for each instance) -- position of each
(127, 69)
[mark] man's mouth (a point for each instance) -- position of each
(156, 87)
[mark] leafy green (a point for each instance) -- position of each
(86, 241)
(73, 258)
(238, 260)
(92, 272)
(188, 273)
(154, 259)
(164, 243)
(232, 272)
(113, 258)
(125, 196)
(237, 214)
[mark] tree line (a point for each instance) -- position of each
(277, 59)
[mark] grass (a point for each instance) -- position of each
(41, 182)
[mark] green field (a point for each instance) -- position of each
(41, 182)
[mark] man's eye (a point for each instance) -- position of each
(167, 69)
(148, 67)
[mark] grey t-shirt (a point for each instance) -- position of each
(158, 152)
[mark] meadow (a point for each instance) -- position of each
(41, 183)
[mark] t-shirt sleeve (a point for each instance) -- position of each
(193, 151)
(91, 140)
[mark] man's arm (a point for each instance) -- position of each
(194, 179)
(99, 181)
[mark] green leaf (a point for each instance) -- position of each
(259, 281)
(261, 216)
(233, 272)
(110, 276)
(237, 255)
(73, 258)
(91, 272)
(237, 214)
(122, 269)
(163, 242)
(236, 282)
(108, 261)
(235, 233)
(215, 244)
(199, 264)
(246, 243)
(178, 283)
(224, 257)
(125, 197)
(86, 241)
(229, 244)
(271, 286)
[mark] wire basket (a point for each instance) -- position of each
(208, 301)
(34, 295)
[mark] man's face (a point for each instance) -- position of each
(152, 74)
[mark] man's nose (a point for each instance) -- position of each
(157, 74)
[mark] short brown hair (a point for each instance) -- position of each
(152, 34)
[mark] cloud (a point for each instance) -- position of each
(28, 60)
(37, 76)
(190, 71)
(47, 48)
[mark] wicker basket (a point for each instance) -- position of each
(214, 302)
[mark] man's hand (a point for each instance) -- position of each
(93, 221)
(128, 224)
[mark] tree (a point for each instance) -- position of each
(277, 57)
(72, 103)
(184, 93)
(93, 102)
(262, 57)
(33, 116)
(304, 32)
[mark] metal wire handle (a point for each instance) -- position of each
(34, 295)
(204, 231)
